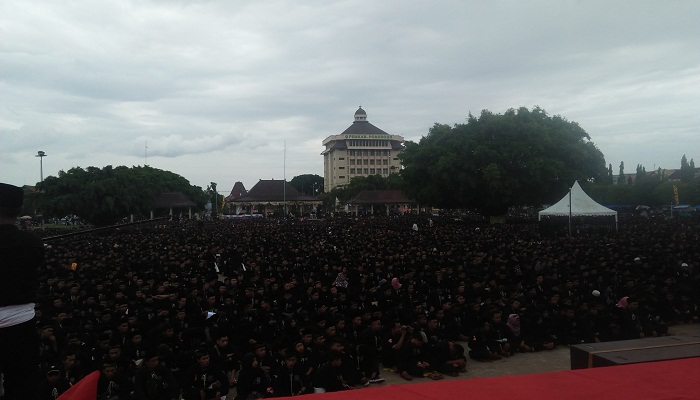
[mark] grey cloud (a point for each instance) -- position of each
(216, 88)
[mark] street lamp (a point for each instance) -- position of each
(41, 156)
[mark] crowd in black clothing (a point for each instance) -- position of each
(285, 307)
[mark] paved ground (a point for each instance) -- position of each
(527, 363)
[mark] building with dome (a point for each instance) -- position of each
(361, 150)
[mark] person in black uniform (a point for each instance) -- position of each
(204, 381)
(290, 379)
(154, 381)
(54, 384)
(21, 256)
(329, 376)
(252, 380)
(113, 385)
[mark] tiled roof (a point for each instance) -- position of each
(381, 197)
(363, 128)
(172, 200)
(237, 191)
(273, 191)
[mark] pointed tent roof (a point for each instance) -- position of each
(273, 191)
(582, 205)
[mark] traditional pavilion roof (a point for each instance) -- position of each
(273, 191)
(172, 200)
(237, 191)
(381, 197)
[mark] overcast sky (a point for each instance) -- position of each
(216, 90)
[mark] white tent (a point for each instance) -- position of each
(581, 206)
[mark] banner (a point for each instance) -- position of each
(85, 389)
(675, 193)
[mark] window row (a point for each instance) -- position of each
(369, 162)
(368, 143)
(368, 153)
(369, 171)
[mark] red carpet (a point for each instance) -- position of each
(678, 380)
(86, 389)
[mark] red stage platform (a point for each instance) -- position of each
(678, 380)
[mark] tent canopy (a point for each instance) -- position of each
(581, 205)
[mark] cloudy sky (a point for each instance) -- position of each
(216, 91)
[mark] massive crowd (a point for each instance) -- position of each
(280, 307)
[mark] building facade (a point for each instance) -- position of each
(361, 150)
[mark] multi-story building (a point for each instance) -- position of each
(361, 150)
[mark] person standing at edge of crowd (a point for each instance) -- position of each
(21, 256)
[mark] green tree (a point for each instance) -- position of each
(644, 186)
(105, 196)
(394, 182)
(687, 170)
(308, 184)
(650, 189)
(621, 176)
(521, 157)
(431, 166)
(641, 174)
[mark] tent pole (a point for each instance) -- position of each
(570, 212)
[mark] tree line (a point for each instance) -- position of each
(519, 158)
(651, 188)
(106, 196)
(489, 163)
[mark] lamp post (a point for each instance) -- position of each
(41, 156)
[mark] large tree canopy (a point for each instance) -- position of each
(521, 157)
(309, 184)
(104, 196)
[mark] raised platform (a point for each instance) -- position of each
(677, 379)
(591, 355)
